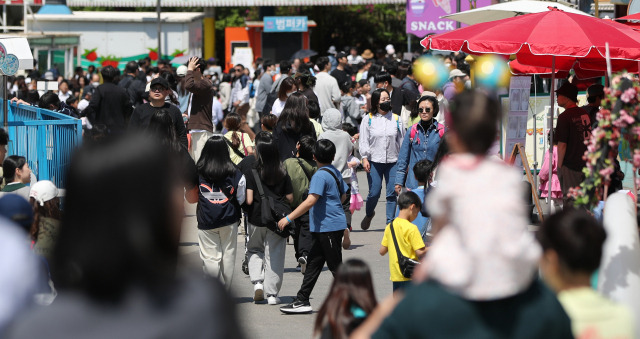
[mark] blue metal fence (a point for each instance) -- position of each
(46, 138)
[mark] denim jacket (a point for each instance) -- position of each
(423, 146)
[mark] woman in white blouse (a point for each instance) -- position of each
(287, 87)
(381, 135)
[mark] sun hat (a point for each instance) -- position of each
(367, 54)
(332, 50)
(568, 90)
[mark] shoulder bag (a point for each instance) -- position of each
(407, 265)
(272, 209)
(235, 150)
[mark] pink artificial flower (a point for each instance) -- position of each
(628, 95)
(636, 158)
(606, 172)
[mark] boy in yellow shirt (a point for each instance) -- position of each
(409, 240)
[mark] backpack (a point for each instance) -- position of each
(272, 209)
(305, 194)
(395, 117)
(414, 131)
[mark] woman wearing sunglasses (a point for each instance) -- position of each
(420, 142)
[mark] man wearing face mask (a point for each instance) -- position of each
(266, 81)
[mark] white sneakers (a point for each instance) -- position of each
(258, 292)
(273, 300)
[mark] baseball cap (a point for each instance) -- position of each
(43, 191)
(48, 75)
(568, 90)
(160, 81)
(181, 71)
(456, 73)
(17, 209)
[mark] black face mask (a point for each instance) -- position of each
(385, 106)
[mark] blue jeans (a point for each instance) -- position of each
(374, 177)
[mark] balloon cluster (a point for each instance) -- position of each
(491, 71)
(430, 72)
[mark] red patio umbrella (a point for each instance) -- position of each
(517, 68)
(554, 39)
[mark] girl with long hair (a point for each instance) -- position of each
(292, 124)
(46, 218)
(240, 144)
(265, 248)
(221, 191)
(350, 301)
(287, 88)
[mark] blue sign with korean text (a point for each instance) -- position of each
(275, 24)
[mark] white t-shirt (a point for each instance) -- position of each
(277, 107)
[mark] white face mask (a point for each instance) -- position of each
(289, 94)
(95, 84)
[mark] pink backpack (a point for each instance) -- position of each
(414, 131)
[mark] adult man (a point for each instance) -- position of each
(383, 80)
(572, 130)
(327, 88)
(142, 114)
(130, 82)
(331, 52)
(391, 67)
(200, 123)
(266, 81)
(595, 94)
(240, 91)
(409, 84)
(110, 104)
(340, 73)
(285, 71)
(455, 84)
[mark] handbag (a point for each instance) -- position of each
(407, 265)
(272, 209)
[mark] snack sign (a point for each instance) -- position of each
(423, 16)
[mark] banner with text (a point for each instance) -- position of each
(423, 16)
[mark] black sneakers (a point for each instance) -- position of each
(297, 306)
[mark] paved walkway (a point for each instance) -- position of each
(266, 321)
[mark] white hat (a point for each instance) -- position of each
(43, 191)
(181, 71)
(456, 73)
(390, 49)
(332, 50)
(48, 75)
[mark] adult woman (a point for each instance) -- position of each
(265, 248)
(287, 88)
(17, 175)
(46, 217)
(380, 139)
(117, 252)
(292, 125)
(305, 83)
(240, 144)
(420, 142)
(220, 194)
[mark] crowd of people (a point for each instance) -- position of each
(274, 154)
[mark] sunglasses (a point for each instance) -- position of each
(424, 110)
(157, 89)
(238, 70)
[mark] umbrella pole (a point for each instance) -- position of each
(535, 134)
(553, 99)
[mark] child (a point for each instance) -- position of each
(482, 249)
(409, 240)
(350, 301)
(240, 144)
(353, 162)
(422, 173)
(327, 191)
(572, 243)
(556, 192)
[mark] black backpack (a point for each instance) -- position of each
(272, 209)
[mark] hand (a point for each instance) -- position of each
(235, 104)
(398, 189)
(193, 63)
(356, 136)
(366, 165)
(283, 223)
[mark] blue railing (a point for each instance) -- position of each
(46, 138)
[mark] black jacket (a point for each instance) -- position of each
(135, 89)
(397, 100)
(111, 107)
